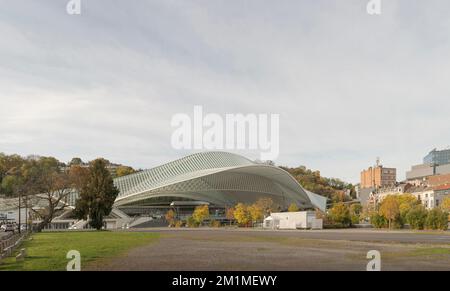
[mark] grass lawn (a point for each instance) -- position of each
(47, 251)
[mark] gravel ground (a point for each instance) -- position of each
(253, 250)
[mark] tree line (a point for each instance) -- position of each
(334, 189)
(395, 211)
(45, 186)
(242, 214)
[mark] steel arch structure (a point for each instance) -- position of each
(219, 178)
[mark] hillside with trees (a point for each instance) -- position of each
(332, 188)
(16, 170)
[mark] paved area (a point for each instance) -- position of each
(258, 250)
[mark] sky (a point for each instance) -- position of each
(349, 87)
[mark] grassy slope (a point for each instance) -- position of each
(47, 251)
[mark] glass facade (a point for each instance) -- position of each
(436, 157)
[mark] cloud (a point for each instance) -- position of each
(348, 86)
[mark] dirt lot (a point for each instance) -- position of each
(255, 250)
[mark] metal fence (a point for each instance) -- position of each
(8, 244)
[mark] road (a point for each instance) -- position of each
(260, 250)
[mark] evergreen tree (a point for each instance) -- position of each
(97, 196)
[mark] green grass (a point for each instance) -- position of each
(47, 251)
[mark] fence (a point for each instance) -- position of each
(7, 245)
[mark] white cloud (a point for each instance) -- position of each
(349, 87)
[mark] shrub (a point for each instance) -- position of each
(340, 214)
(179, 223)
(191, 222)
(417, 217)
(293, 208)
(378, 221)
(437, 219)
(214, 223)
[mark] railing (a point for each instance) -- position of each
(7, 245)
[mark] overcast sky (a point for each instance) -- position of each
(349, 87)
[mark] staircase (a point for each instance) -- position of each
(80, 224)
(152, 223)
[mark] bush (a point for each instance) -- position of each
(378, 221)
(191, 222)
(340, 214)
(437, 219)
(179, 223)
(417, 217)
(214, 223)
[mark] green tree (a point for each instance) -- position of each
(355, 212)
(9, 184)
(390, 209)
(378, 221)
(340, 213)
(97, 196)
(417, 217)
(293, 208)
(437, 219)
(406, 202)
(76, 162)
(191, 222)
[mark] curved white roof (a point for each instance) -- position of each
(220, 178)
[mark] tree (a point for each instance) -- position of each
(9, 184)
(79, 176)
(170, 217)
(241, 214)
(406, 202)
(124, 171)
(229, 213)
(355, 212)
(256, 212)
(390, 209)
(201, 213)
(437, 219)
(445, 206)
(190, 222)
(266, 205)
(97, 196)
(76, 162)
(377, 220)
(416, 217)
(293, 208)
(340, 213)
(47, 184)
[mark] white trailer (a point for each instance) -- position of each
(293, 220)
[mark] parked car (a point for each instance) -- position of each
(10, 227)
